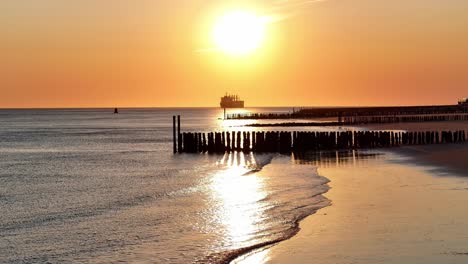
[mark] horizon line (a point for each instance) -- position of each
(204, 107)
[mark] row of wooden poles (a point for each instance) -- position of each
(283, 142)
(352, 120)
(403, 118)
(311, 113)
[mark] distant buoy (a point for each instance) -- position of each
(116, 111)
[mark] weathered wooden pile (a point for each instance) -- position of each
(299, 141)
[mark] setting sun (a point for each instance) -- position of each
(239, 33)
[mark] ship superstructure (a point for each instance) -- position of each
(231, 101)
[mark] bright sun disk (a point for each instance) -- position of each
(239, 33)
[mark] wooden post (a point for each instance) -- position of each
(254, 143)
(233, 141)
(204, 142)
(228, 141)
(199, 143)
(174, 134)
(185, 143)
(179, 137)
(223, 142)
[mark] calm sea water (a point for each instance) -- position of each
(87, 186)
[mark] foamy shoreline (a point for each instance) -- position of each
(395, 210)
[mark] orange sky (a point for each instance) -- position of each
(145, 53)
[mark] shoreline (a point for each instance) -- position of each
(414, 170)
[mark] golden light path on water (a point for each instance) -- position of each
(239, 124)
(238, 193)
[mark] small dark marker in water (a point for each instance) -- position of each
(116, 110)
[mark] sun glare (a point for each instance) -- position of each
(239, 33)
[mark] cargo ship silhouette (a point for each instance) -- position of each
(231, 101)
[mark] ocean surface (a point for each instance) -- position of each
(88, 186)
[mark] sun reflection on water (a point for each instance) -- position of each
(238, 124)
(239, 194)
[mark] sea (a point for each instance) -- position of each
(90, 186)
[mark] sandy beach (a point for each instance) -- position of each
(407, 207)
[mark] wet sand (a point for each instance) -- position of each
(451, 159)
(408, 207)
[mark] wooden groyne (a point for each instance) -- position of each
(362, 120)
(369, 114)
(299, 141)
(353, 120)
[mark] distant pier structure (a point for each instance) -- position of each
(359, 115)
